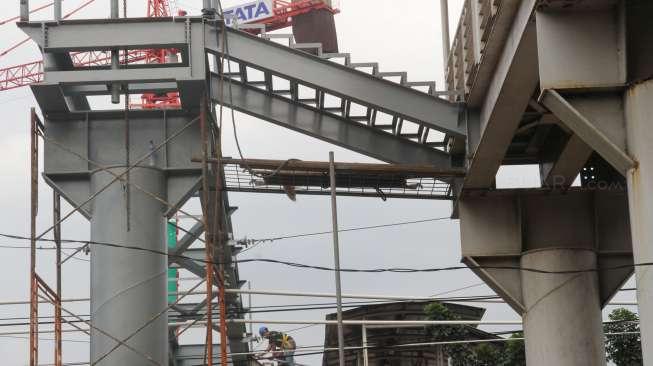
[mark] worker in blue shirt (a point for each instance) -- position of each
(280, 343)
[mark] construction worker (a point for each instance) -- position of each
(281, 344)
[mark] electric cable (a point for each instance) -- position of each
(323, 350)
(47, 339)
(358, 228)
(402, 270)
(225, 49)
(200, 315)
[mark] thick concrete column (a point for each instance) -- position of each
(128, 287)
(639, 129)
(562, 321)
(583, 230)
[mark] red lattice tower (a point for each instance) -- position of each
(32, 72)
(170, 100)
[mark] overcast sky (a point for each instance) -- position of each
(401, 36)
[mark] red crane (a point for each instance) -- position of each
(159, 9)
(18, 76)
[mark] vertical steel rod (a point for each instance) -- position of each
(208, 234)
(57, 10)
(249, 316)
(115, 9)
(24, 10)
(221, 232)
(446, 41)
(115, 55)
(56, 217)
(34, 171)
(336, 258)
(365, 354)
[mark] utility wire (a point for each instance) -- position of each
(404, 270)
(226, 57)
(358, 228)
(46, 339)
(399, 346)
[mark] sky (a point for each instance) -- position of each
(403, 37)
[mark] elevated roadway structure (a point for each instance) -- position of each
(564, 84)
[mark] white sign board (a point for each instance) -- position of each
(249, 12)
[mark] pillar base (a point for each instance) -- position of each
(129, 287)
(575, 229)
(562, 322)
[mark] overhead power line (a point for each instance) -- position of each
(358, 228)
(404, 270)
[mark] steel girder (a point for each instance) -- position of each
(191, 37)
(339, 80)
(194, 37)
(506, 98)
(327, 127)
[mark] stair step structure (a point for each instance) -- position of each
(355, 107)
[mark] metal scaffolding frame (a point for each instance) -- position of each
(62, 97)
(494, 67)
(215, 227)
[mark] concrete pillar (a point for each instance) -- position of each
(639, 129)
(128, 287)
(562, 321)
(555, 231)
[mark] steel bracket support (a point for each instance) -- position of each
(507, 96)
(587, 131)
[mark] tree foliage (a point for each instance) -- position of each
(624, 349)
(469, 354)
(514, 353)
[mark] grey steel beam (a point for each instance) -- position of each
(565, 168)
(191, 265)
(188, 239)
(327, 127)
(341, 81)
(195, 255)
(510, 89)
(493, 51)
(152, 75)
(293, 64)
(587, 131)
(134, 88)
(87, 35)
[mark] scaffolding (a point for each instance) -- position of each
(191, 117)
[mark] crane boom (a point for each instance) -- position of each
(158, 8)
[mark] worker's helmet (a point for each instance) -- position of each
(262, 330)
